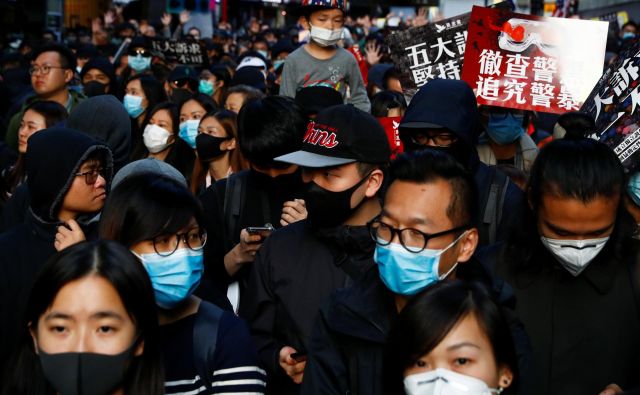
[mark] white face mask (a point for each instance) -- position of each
(155, 138)
(446, 382)
(325, 37)
(574, 255)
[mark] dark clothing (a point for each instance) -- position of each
(16, 209)
(235, 364)
(261, 200)
(26, 247)
(295, 271)
(346, 349)
(584, 330)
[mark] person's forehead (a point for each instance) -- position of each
(48, 56)
(331, 13)
(428, 201)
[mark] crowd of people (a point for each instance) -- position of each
(283, 219)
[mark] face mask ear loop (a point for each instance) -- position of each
(456, 264)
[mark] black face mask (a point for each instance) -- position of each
(327, 209)
(180, 95)
(208, 147)
(82, 373)
(94, 88)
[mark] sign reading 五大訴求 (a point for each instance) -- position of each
(532, 63)
(435, 50)
(614, 104)
(187, 52)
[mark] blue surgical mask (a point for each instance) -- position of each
(189, 131)
(407, 273)
(173, 277)
(139, 63)
(633, 187)
(206, 87)
(505, 129)
(277, 63)
(264, 54)
(133, 105)
(628, 35)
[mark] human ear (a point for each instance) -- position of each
(304, 22)
(374, 183)
(505, 377)
(34, 337)
(229, 144)
(68, 76)
(139, 349)
(468, 244)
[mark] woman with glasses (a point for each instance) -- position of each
(160, 221)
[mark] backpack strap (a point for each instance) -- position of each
(494, 203)
(233, 199)
(205, 337)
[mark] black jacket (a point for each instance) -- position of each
(584, 330)
(346, 349)
(55, 155)
(295, 271)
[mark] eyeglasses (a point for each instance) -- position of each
(180, 83)
(142, 52)
(194, 239)
(438, 139)
(91, 176)
(411, 239)
(44, 70)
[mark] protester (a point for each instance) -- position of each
(216, 145)
(424, 234)
(314, 99)
(451, 337)
(389, 107)
(51, 72)
(160, 140)
(160, 221)
(191, 111)
(142, 93)
(38, 115)
(89, 327)
(321, 61)
(181, 84)
(269, 194)
(505, 140)
(572, 265)
(298, 267)
(65, 194)
(240, 94)
(573, 125)
(444, 115)
(98, 77)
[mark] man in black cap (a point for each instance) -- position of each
(343, 156)
(444, 115)
(182, 83)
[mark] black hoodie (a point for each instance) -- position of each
(54, 156)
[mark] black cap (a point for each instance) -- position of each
(339, 135)
(182, 72)
(249, 76)
(314, 99)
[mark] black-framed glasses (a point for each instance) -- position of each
(194, 239)
(44, 70)
(439, 139)
(413, 240)
(91, 176)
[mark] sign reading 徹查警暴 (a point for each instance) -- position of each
(532, 63)
(614, 104)
(435, 50)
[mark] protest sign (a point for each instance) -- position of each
(187, 52)
(614, 104)
(435, 50)
(532, 63)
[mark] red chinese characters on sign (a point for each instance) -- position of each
(532, 63)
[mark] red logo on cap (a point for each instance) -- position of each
(317, 136)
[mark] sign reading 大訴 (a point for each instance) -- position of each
(435, 50)
(532, 63)
(187, 52)
(614, 104)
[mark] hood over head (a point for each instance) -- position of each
(105, 119)
(53, 157)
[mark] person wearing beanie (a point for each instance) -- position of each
(98, 77)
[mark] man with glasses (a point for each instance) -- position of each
(68, 175)
(425, 233)
(343, 155)
(444, 115)
(52, 71)
(181, 84)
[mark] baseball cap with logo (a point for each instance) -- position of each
(339, 135)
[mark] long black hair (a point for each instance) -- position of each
(114, 263)
(578, 168)
(431, 315)
(145, 206)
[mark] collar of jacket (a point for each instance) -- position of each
(347, 239)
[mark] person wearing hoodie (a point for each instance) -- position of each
(98, 77)
(425, 233)
(64, 193)
(444, 115)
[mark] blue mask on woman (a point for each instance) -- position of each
(133, 105)
(189, 131)
(407, 273)
(505, 128)
(139, 63)
(173, 277)
(206, 87)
